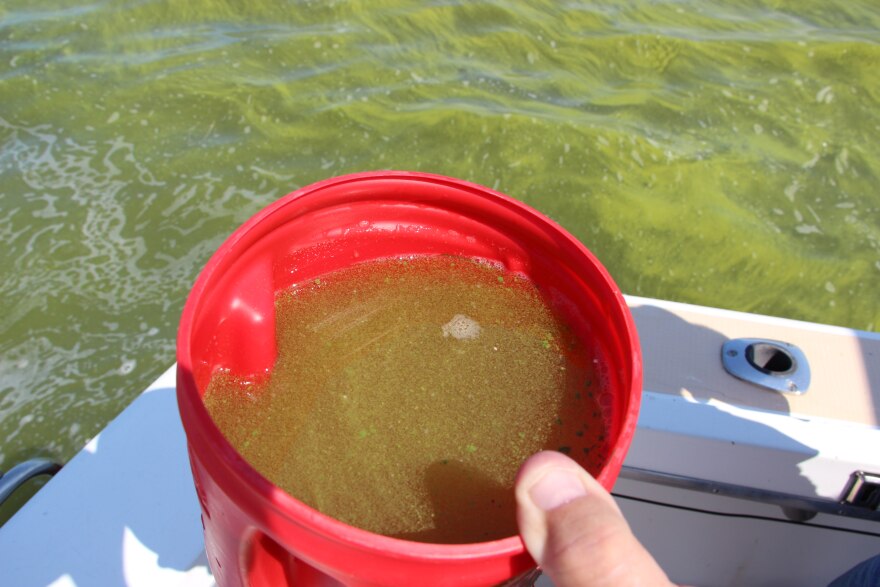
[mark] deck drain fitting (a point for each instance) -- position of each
(771, 364)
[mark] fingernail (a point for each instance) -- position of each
(555, 488)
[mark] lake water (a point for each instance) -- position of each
(720, 153)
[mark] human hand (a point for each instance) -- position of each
(574, 530)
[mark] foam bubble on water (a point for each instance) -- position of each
(637, 158)
(462, 327)
(812, 162)
(127, 366)
(825, 95)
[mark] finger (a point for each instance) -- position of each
(573, 528)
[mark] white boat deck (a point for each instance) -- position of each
(124, 511)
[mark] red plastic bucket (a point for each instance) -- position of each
(255, 533)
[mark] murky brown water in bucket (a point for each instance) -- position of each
(408, 392)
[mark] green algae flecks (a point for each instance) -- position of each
(407, 393)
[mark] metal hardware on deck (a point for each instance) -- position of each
(795, 507)
(771, 364)
(863, 491)
(24, 472)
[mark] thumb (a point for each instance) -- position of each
(573, 529)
